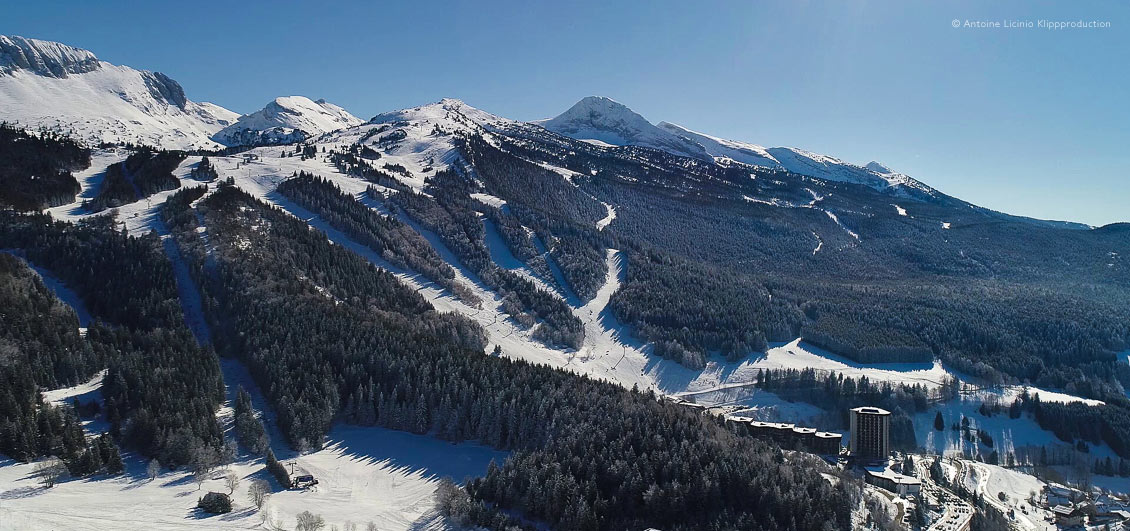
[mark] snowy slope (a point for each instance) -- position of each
(606, 121)
(743, 152)
(286, 120)
(603, 121)
(58, 87)
(796, 160)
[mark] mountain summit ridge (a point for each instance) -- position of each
(602, 120)
(607, 121)
(286, 120)
(53, 86)
(46, 58)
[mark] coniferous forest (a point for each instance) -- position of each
(724, 258)
(144, 173)
(161, 389)
(36, 169)
(450, 213)
(329, 336)
(393, 240)
(713, 272)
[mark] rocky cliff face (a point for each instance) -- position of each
(45, 58)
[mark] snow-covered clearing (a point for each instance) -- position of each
(487, 199)
(504, 258)
(990, 481)
(90, 390)
(187, 291)
(84, 391)
(365, 474)
(761, 405)
(89, 180)
(1123, 356)
(1007, 433)
(606, 220)
(900, 210)
(800, 355)
(819, 243)
(1008, 393)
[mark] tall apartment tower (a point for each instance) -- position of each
(870, 433)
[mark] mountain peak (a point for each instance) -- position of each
(286, 119)
(605, 121)
(49, 85)
(45, 58)
(877, 168)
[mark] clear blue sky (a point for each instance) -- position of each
(1029, 121)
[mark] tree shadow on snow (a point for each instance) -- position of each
(22, 492)
(411, 454)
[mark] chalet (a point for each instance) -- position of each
(304, 481)
(1068, 516)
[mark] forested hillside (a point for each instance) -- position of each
(161, 389)
(726, 258)
(36, 169)
(144, 173)
(450, 213)
(331, 337)
(395, 241)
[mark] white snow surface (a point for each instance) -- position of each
(743, 152)
(365, 474)
(102, 102)
(286, 120)
(603, 121)
(611, 122)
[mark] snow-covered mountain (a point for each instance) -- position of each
(743, 152)
(286, 120)
(53, 86)
(605, 121)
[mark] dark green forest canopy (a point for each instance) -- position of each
(713, 268)
(35, 169)
(144, 173)
(328, 336)
(161, 389)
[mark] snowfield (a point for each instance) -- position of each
(286, 120)
(365, 475)
(101, 102)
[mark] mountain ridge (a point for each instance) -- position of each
(53, 86)
(286, 120)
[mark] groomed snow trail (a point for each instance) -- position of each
(62, 292)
